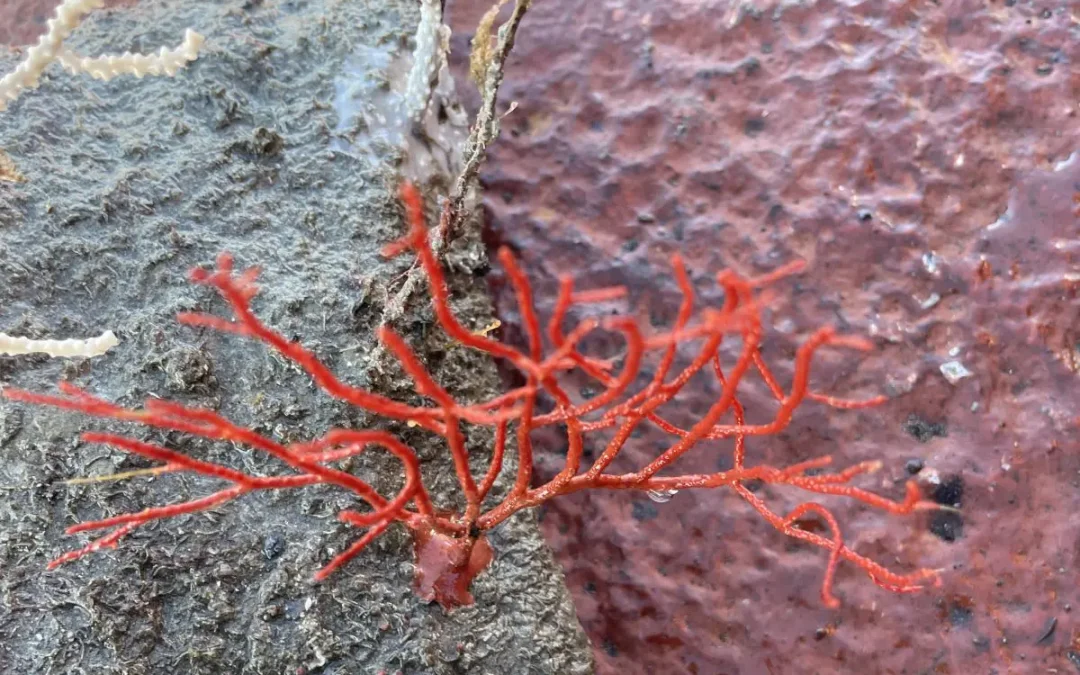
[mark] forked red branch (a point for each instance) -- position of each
(451, 547)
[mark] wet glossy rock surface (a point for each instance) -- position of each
(917, 156)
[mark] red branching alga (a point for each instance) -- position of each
(451, 548)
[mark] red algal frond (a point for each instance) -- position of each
(451, 548)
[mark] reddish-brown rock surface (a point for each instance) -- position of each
(22, 21)
(916, 155)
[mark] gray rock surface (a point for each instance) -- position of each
(130, 184)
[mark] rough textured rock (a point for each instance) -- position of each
(917, 155)
(255, 149)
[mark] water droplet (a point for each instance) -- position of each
(662, 496)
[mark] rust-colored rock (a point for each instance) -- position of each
(917, 156)
(23, 21)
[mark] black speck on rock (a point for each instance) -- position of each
(754, 485)
(924, 430)
(273, 546)
(754, 126)
(644, 511)
(960, 612)
(947, 525)
(950, 491)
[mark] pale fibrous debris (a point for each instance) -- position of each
(9, 173)
(10, 345)
(50, 48)
(429, 56)
(483, 51)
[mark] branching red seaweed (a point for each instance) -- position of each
(452, 548)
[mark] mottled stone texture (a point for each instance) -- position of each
(131, 183)
(917, 156)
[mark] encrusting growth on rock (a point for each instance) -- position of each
(452, 548)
